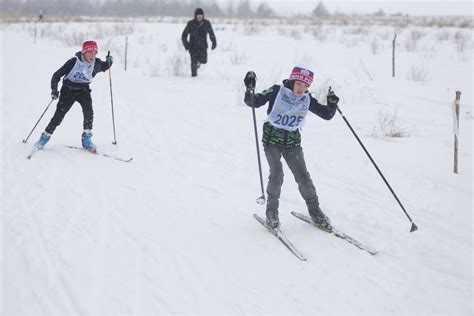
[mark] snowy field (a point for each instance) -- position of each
(172, 232)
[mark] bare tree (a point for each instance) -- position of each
(321, 10)
(264, 10)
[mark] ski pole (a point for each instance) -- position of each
(26, 139)
(413, 225)
(112, 103)
(251, 89)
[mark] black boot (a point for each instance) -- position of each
(320, 218)
(272, 219)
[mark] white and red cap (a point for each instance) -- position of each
(303, 75)
(89, 46)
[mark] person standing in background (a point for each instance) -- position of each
(41, 13)
(197, 30)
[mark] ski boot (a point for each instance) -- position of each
(320, 219)
(87, 143)
(44, 138)
(272, 219)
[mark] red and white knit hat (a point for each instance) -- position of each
(89, 46)
(301, 74)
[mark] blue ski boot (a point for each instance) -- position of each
(44, 138)
(87, 142)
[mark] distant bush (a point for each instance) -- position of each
(442, 35)
(417, 34)
(177, 64)
(410, 44)
(296, 34)
(374, 45)
(418, 73)
(237, 57)
(461, 39)
(388, 126)
(252, 30)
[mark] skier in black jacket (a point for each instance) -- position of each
(288, 105)
(197, 29)
(78, 73)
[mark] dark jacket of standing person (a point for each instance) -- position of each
(197, 32)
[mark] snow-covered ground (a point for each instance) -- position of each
(173, 233)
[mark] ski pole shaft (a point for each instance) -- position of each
(26, 139)
(261, 199)
(413, 225)
(112, 103)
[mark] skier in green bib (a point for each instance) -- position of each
(289, 104)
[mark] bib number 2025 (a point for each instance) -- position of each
(288, 120)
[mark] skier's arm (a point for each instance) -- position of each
(184, 36)
(323, 111)
(100, 66)
(263, 97)
(64, 70)
(212, 36)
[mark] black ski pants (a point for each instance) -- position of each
(197, 56)
(67, 98)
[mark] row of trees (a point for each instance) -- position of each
(321, 11)
(147, 8)
(133, 8)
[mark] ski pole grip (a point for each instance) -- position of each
(108, 53)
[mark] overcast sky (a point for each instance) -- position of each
(417, 7)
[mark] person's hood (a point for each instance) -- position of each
(198, 11)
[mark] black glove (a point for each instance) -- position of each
(54, 94)
(250, 80)
(214, 45)
(332, 98)
(109, 60)
(186, 46)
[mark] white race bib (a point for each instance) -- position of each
(81, 72)
(289, 111)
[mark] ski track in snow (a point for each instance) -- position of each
(172, 232)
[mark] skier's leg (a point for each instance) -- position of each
(275, 181)
(194, 62)
(294, 157)
(85, 100)
(66, 100)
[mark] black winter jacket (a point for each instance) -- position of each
(197, 32)
(68, 66)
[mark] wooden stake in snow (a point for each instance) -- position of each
(126, 46)
(456, 106)
(393, 55)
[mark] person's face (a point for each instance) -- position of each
(90, 56)
(299, 88)
(199, 17)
